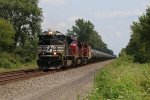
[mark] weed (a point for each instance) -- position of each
(122, 79)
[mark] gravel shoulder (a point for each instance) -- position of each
(66, 85)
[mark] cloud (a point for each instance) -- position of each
(54, 2)
(117, 14)
(62, 25)
(73, 18)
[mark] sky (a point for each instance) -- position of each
(111, 18)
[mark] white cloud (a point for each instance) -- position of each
(54, 2)
(61, 26)
(117, 14)
(73, 18)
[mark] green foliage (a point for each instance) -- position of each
(123, 55)
(95, 40)
(20, 38)
(5, 63)
(139, 45)
(7, 34)
(7, 60)
(83, 30)
(122, 80)
(29, 51)
(25, 17)
(20, 23)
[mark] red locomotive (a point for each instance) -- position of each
(56, 50)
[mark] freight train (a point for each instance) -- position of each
(56, 50)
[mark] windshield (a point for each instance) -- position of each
(51, 39)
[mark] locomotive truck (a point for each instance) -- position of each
(56, 50)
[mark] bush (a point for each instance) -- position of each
(7, 34)
(28, 51)
(4, 63)
(8, 60)
(26, 54)
(122, 80)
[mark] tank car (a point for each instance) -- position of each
(99, 56)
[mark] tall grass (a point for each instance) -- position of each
(9, 62)
(122, 80)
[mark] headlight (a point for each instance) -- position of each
(55, 53)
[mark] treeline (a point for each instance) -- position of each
(20, 23)
(85, 32)
(139, 45)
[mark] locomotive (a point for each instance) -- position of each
(56, 50)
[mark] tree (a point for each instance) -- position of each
(139, 45)
(7, 34)
(25, 16)
(29, 51)
(69, 33)
(83, 30)
(95, 40)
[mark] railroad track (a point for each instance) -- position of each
(8, 77)
(13, 76)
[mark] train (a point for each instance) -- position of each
(56, 50)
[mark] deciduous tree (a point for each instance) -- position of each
(83, 30)
(25, 15)
(7, 34)
(139, 45)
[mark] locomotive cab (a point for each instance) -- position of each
(51, 47)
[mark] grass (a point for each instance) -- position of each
(10, 62)
(122, 80)
(29, 65)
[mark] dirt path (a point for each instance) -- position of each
(70, 90)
